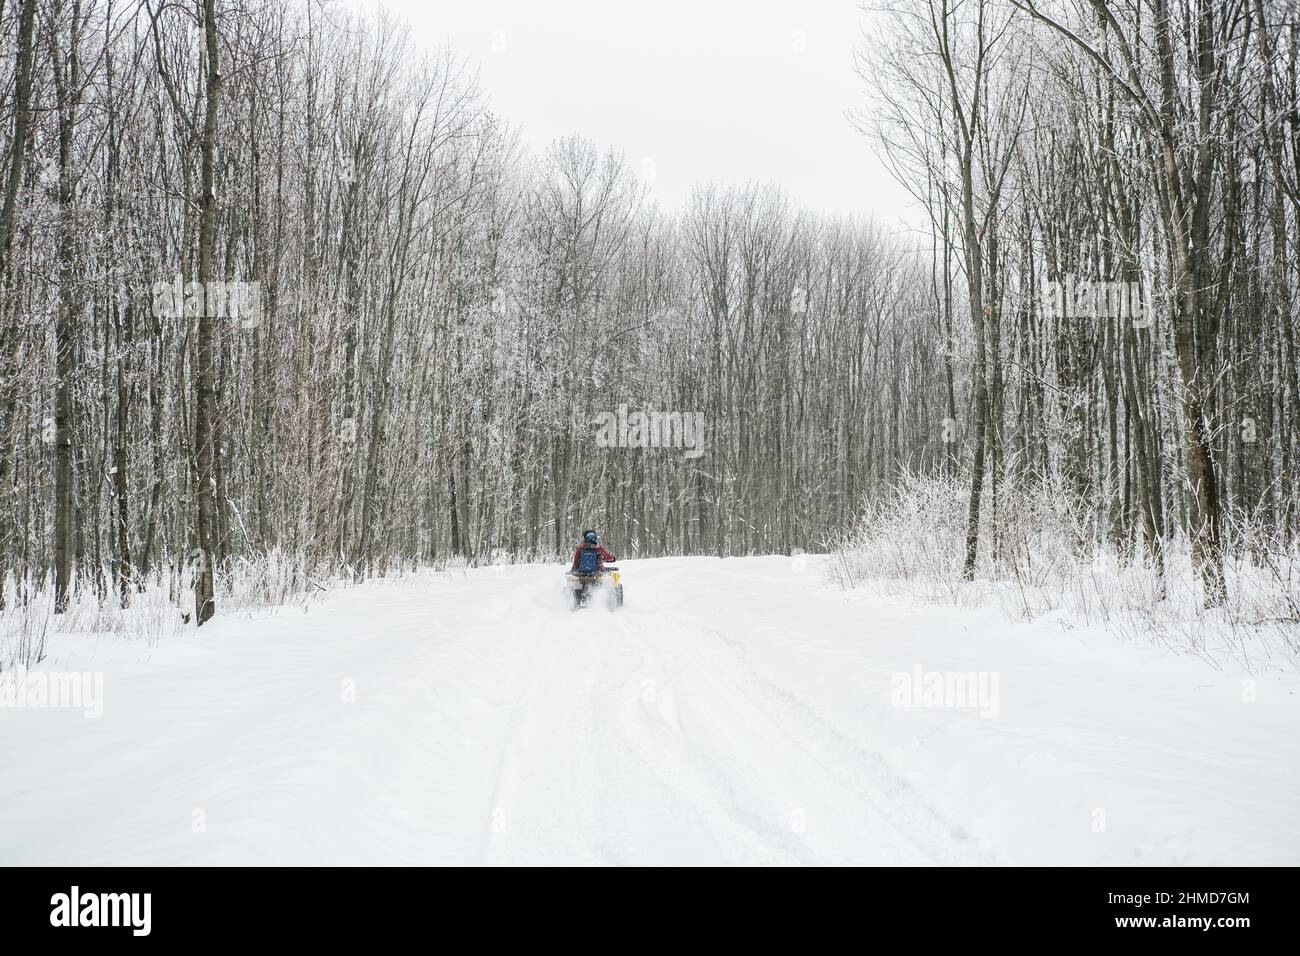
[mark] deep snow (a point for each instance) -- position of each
(735, 711)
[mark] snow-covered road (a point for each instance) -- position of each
(735, 711)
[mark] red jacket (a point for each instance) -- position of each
(604, 556)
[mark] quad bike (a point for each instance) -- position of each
(582, 588)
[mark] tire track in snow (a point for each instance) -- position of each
(542, 793)
(842, 761)
(692, 795)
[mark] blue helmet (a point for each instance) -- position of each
(590, 537)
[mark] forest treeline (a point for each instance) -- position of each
(1148, 146)
(274, 279)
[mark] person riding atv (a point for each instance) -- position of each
(588, 573)
(595, 555)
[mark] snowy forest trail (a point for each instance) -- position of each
(735, 711)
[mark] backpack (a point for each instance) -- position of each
(589, 560)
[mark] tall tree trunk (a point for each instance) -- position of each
(205, 604)
(67, 80)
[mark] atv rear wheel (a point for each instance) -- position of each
(615, 599)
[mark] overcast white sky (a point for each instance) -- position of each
(690, 90)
